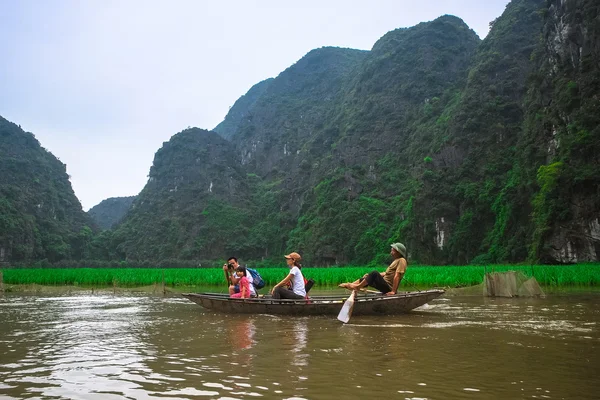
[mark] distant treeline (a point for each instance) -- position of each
(167, 263)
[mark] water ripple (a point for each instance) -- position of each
(130, 346)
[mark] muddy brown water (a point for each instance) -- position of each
(145, 346)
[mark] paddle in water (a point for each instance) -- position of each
(346, 311)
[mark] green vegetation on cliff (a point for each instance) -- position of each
(40, 217)
(434, 138)
(468, 151)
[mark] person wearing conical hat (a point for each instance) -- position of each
(388, 281)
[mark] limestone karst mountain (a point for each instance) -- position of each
(466, 150)
(40, 217)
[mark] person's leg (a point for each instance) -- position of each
(285, 293)
(289, 294)
(357, 284)
(376, 280)
(277, 293)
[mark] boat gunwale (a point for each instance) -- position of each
(363, 297)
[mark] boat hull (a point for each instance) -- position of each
(319, 305)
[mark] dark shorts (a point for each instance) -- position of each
(374, 279)
(285, 293)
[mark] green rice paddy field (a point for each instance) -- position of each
(421, 276)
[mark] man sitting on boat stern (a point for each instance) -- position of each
(388, 281)
(233, 279)
(295, 277)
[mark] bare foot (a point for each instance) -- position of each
(348, 286)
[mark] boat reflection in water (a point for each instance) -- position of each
(242, 333)
(300, 334)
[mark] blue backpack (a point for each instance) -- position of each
(257, 280)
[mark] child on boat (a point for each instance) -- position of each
(244, 284)
(233, 279)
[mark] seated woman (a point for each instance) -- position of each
(243, 283)
(295, 277)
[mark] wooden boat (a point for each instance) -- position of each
(364, 304)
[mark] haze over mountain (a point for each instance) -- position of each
(468, 151)
(109, 212)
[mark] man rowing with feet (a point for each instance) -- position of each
(388, 281)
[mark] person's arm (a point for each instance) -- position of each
(283, 282)
(227, 275)
(398, 277)
(244, 289)
(230, 275)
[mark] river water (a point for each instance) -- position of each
(143, 346)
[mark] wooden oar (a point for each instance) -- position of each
(367, 291)
(370, 291)
(346, 311)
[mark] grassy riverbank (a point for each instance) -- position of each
(421, 276)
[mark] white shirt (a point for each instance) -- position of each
(251, 282)
(297, 281)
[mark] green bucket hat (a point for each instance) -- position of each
(400, 248)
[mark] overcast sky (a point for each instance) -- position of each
(102, 84)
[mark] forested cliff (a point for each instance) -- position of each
(560, 146)
(40, 217)
(465, 150)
